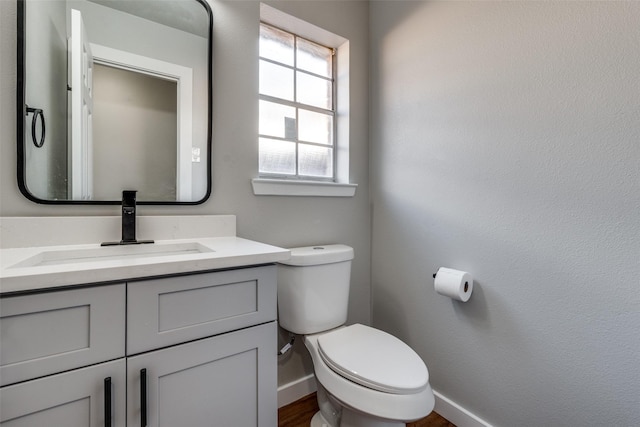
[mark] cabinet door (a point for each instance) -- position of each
(226, 380)
(72, 399)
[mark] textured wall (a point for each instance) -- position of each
(506, 142)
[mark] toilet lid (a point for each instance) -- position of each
(374, 359)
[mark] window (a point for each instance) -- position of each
(297, 107)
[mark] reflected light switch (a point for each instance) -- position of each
(195, 155)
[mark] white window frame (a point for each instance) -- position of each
(340, 187)
(297, 105)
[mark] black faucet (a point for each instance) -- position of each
(128, 221)
(128, 217)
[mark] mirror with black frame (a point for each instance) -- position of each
(114, 95)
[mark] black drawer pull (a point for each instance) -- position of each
(107, 402)
(143, 398)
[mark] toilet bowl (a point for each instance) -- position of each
(371, 373)
(365, 377)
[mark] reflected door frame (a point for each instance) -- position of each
(80, 161)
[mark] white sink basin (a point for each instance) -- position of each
(110, 253)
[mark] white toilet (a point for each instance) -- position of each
(365, 377)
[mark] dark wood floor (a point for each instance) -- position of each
(299, 413)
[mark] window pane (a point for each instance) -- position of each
(315, 127)
(314, 58)
(315, 161)
(277, 120)
(276, 45)
(277, 157)
(276, 81)
(313, 91)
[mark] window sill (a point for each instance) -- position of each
(284, 187)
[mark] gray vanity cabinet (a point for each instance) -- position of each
(200, 350)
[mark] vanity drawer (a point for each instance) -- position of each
(167, 311)
(50, 332)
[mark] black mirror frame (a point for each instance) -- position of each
(21, 110)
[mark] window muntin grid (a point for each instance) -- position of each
(297, 108)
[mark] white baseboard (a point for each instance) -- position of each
(456, 414)
(290, 392)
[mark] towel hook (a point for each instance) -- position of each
(37, 112)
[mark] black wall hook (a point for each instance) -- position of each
(37, 112)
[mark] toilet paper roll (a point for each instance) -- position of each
(454, 284)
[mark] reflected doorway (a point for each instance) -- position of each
(139, 153)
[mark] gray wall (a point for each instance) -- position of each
(283, 221)
(505, 142)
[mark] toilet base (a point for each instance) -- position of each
(354, 419)
(319, 421)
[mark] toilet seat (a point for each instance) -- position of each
(374, 359)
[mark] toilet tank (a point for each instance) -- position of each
(313, 288)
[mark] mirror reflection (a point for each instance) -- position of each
(116, 97)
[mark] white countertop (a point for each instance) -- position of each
(225, 252)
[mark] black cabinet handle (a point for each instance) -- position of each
(143, 398)
(107, 402)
